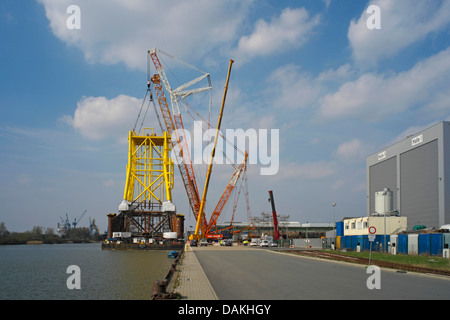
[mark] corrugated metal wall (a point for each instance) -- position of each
(383, 175)
(419, 192)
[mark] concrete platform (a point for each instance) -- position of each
(193, 283)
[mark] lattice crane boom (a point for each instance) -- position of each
(226, 194)
(175, 126)
(180, 148)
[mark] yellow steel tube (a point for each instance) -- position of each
(208, 174)
(166, 166)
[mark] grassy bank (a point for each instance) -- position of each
(412, 260)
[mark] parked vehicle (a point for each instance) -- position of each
(203, 242)
(273, 244)
(264, 243)
(227, 242)
(193, 243)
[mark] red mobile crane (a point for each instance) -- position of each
(274, 213)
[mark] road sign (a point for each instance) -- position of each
(372, 230)
(371, 237)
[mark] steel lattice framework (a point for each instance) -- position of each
(148, 186)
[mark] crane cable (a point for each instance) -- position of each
(140, 110)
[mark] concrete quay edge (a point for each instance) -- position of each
(193, 284)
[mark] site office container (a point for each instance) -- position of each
(340, 228)
(436, 244)
(360, 242)
(338, 242)
(424, 245)
(430, 244)
(446, 240)
(413, 243)
(402, 244)
(393, 240)
(346, 242)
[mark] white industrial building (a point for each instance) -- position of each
(415, 172)
(379, 225)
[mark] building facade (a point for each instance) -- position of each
(417, 171)
(378, 225)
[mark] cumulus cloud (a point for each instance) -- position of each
(354, 150)
(290, 30)
(114, 31)
(98, 118)
(293, 88)
(374, 96)
(403, 22)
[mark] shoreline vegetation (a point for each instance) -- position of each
(41, 235)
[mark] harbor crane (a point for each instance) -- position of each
(75, 221)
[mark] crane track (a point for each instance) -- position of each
(379, 263)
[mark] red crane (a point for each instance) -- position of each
(274, 213)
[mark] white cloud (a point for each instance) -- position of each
(122, 31)
(290, 30)
(374, 96)
(293, 88)
(403, 22)
(352, 151)
(98, 118)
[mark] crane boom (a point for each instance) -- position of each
(274, 214)
(176, 127)
(208, 173)
(179, 144)
(217, 211)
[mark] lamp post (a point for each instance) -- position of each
(334, 223)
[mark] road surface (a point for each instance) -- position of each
(247, 273)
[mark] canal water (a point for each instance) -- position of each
(40, 272)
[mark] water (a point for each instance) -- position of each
(39, 272)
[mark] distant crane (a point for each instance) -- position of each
(65, 224)
(274, 213)
(93, 229)
(75, 221)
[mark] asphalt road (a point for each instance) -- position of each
(258, 274)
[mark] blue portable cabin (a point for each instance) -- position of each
(402, 244)
(340, 228)
(431, 244)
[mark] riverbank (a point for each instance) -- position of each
(37, 242)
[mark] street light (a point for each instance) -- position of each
(334, 223)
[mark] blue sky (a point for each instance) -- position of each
(336, 90)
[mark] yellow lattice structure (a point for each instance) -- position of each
(149, 179)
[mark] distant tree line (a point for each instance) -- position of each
(46, 235)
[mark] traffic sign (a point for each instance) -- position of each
(372, 230)
(371, 237)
